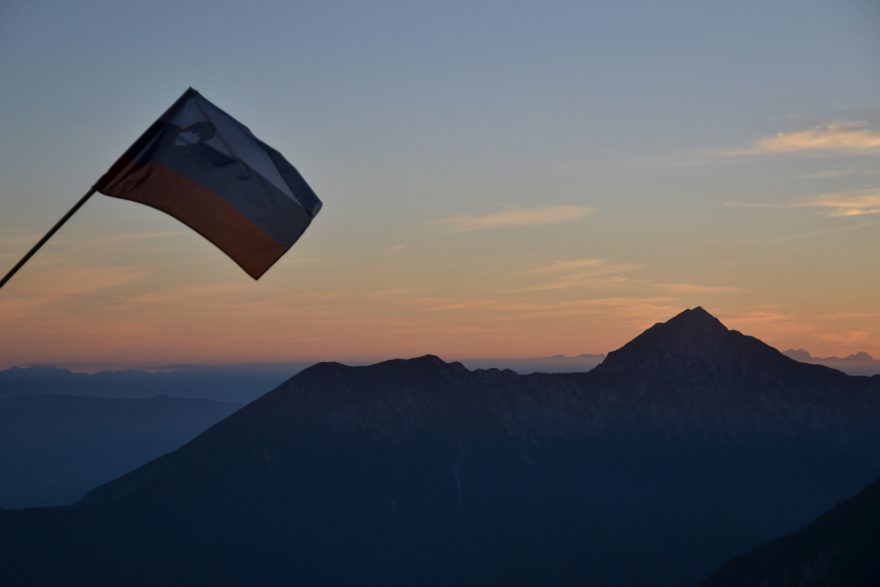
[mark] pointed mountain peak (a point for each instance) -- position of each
(692, 342)
(695, 349)
(696, 318)
(691, 327)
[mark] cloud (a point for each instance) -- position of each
(463, 305)
(518, 217)
(579, 273)
(771, 324)
(847, 338)
(847, 316)
(605, 308)
(695, 288)
(592, 272)
(797, 236)
(848, 203)
(837, 173)
(849, 137)
(120, 239)
(642, 311)
(560, 266)
(47, 290)
(837, 204)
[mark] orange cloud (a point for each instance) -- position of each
(695, 288)
(517, 217)
(579, 273)
(853, 137)
(848, 203)
(838, 204)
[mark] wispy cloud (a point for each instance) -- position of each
(838, 173)
(593, 272)
(848, 338)
(848, 203)
(642, 311)
(786, 329)
(836, 316)
(120, 239)
(47, 291)
(849, 137)
(493, 309)
(462, 305)
(578, 273)
(798, 236)
(516, 217)
(563, 265)
(696, 288)
(838, 204)
(769, 318)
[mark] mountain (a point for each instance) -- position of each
(688, 445)
(696, 349)
(54, 448)
(840, 549)
(553, 364)
(860, 363)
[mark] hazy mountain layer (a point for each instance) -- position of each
(54, 448)
(238, 383)
(860, 363)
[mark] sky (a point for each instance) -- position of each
(504, 179)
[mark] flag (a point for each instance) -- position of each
(203, 167)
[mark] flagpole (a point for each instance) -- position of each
(47, 236)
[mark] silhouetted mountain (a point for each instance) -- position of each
(686, 446)
(695, 348)
(842, 548)
(554, 364)
(54, 448)
(860, 363)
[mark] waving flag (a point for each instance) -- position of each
(209, 171)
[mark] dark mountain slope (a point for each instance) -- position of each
(424, 472)
(842, 548)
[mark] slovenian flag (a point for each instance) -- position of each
(209, 171)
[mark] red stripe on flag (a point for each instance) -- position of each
(199, 208)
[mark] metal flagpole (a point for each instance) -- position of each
(48, 235)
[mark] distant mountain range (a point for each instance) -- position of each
(860, 363)
(236, 383)
(687, 446)
(232, 382)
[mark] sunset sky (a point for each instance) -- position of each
(499, 178)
